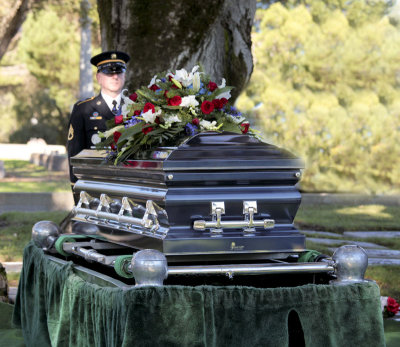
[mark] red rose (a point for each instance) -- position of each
(218, 104)
(147, 130)
(149, 106)
(133, 96)
(154, 87)
(118, 119)
(212, 86)
(224, 101)
(117, 135)
(175, 101)
(392, 305)
(245, 127)
(195, 121)
(136, 113)
(207, 107)
(157, 120)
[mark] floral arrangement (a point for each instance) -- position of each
(173, 107)
(390, 306)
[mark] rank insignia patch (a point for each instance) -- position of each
(70, 133)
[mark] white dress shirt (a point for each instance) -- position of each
(108, 99)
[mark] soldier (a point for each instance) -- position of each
(89, 116)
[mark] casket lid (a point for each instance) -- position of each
(214, 151)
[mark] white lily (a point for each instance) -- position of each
(149, 116)
(184, 77)
(112, 130)
(172, 119)
(196, 82)
(223, 84)
(154, 80)
(207, 125)
(189, 101)
(226, 95)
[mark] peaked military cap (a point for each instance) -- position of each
(110, 62)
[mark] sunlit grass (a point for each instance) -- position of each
(34, 187)
(341, 218)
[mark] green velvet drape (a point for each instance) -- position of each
(56, 307)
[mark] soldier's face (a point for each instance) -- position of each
(111, 84)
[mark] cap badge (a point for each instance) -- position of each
(113, 56)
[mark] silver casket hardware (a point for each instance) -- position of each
(216, 225)
(149, 220)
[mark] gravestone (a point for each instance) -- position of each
(3, 284)
(2, 170)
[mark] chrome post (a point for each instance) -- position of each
(217, 209)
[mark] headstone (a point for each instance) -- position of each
(3, 284)
(2, 170)
(57, 162)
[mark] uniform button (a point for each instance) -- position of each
(95, 128)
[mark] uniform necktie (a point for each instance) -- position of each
(114, 109)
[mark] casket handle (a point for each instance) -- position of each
(216, 225)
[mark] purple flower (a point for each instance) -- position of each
(191, 129)
(132, 122)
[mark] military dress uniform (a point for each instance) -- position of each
(89, 116)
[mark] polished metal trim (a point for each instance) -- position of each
(251, 269)
(129, 190)
(91, 275)
(203, 225)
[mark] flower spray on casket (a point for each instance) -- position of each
(173, 107)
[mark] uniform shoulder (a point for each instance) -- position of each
(84, 101)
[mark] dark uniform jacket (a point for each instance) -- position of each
(87, 118)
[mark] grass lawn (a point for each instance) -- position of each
(23, 176)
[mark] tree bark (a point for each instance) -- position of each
(85, 68)
(162, 35)
(12, 23)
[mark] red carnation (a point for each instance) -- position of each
(392, 305)
(207, 107)
(175, 101)
(154, 87)
(195, 121)
(118, 119)
(212, 86)
(224, 101)
(149, 106)
(133, 97)
(245, 127)
(218, 104)
(136, 113)
(147, 130)
(117, 135)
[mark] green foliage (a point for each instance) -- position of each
(326, 85)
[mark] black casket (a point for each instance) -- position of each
(226, 196)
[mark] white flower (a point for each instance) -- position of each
(189, 100)
(384, 300)
(184, 77)
(196, 82)
(226, 95)
(172, 119)
(111, 131)
(154, 80)
(207, 125)
(223, 84)
(149, 116)
(125, 104)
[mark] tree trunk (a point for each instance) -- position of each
(162, 35)
(85, 68)
(12, 23)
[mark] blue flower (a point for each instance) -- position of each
(163, 80)
(191, 129)
(202, 91)
(131, 122)
(233, 111)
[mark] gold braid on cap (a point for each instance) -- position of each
(111, 61)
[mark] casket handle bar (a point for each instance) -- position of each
(149, 220)
(216, 225)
